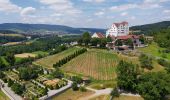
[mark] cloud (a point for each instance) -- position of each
(166, 11)
(96, 1)
(28, 11)
(124, 14)
(99, 13)
(61, 6)
(9, 7)
(123, 7)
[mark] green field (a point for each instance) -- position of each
(48, 61)
(96, 63)
(3, 96)
(154, 49)
(42, 53)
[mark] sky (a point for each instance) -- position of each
(84, 13)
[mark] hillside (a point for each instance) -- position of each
(151, 28)
(27, 28)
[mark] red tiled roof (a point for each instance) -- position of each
(100, 35)
(122, 23)
(128, 37)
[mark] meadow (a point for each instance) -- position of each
(3, 96)
(48, 61)
(96, 63)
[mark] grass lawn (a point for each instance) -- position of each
(40, 53)
(3, 96)
(96, 63)
(153, 49)
(72, 95)
(48, 62)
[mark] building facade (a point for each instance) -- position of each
(118, 29)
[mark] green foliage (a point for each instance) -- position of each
(58, 49)
(163, 38)
(2, 75)
(74, 86)
(17, 88)
(2, 64)
(95, 41)
(10, 58)
(109, 39)
(118, 43)
(10, 83)
(57, 73)
(127, 76)
(146, 61)
(115, 93)
(86, 38)
(28, 73)
(129, 42)
(76, 79)
(154, 86)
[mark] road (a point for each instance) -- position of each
(10, 93)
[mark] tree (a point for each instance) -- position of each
(86, 38)
(2, 75)
(10, 83)
(146, 61)
(2, 65)
(103, 42)
(115, 93)
(118, 43)
(94, 41)
(10, 58)
(127, 76)
(129, 42)
(57, 73)
(17, 88)
(77, 79)
(154, 86)
(109, 39)
(74, 86)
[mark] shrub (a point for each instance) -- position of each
(83, 89)
(74, 86)
(115, 93)
(146, 61)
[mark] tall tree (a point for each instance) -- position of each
(86, 38)
(10, 58)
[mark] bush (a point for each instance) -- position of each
(10, 83)
(2, 75)
(146, 61)
(74, 86)
(115, 93)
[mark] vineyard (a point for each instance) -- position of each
(98, 64)
(48, 62)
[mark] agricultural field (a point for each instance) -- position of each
(25, 55)
(96, 63)
(14, 35)
(72, 95)
(48, 62)
(3, 96)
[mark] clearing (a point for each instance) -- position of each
(96, 63)
(25, 55)
(72, 95)
(48, 62)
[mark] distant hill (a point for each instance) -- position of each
(151, 28)
(26, 28)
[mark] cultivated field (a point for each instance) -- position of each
(25, 55)
(48, 62)
(98, 64)
(107, 97)
(13, 35)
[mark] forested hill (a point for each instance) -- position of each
(151, 28)
(20, 27)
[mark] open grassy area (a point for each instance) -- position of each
(96, 63)
(153, 49)
(42, 53)
(48, 62)
(3, 96)
(72, 95)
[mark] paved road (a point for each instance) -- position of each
(106, 91)
(10, 92)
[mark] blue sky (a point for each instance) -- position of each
(84, 13)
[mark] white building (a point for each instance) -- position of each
(118, 29)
